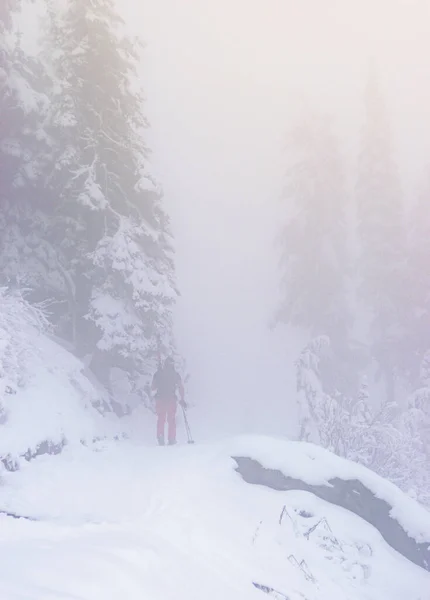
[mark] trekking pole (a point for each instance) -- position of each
(187, 427)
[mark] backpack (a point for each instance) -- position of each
(166, 382)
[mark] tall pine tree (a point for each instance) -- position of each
(313, 239)
(23, 105)
(419, 285)
(382, 238)
(109, 227)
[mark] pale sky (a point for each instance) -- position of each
(223, 80)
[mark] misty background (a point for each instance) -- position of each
(288, 138)
(224, 81)
(239, 206)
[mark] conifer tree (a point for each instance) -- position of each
(23, 108)
(419, 282)
(313, 239)
(110, 229)
(382, 237)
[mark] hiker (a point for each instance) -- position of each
(165, 383)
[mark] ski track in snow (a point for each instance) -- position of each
(131, 522)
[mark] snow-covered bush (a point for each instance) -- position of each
(395, 446)
(45, 399)
(321, 417)
(17, 319)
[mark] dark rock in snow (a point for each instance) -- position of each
(6, 513)
(271, 591)
(45, 447)
(349, 494)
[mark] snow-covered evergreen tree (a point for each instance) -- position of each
(414, 423)
(324, 418)
(419, 404)
(7, 8)
(311, 395)
(395, 446)
(419, 281)
(23, 104)
(25, 257)
(10, 109)
(110, 229)
(382, 237)
(314, 253)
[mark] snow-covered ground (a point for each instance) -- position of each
(45, 394)
(130, 522)
(121, 520)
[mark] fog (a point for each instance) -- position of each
(223, 80)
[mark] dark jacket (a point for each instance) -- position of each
(166, 382)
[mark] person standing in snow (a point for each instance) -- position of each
(165, 383)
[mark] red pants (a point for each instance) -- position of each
(166, 410)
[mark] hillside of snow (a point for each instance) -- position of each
(106, 518)
(46, 399)
(130, 522)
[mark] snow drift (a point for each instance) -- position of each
(130, 521)
(46, 401)
(363, 500)
(108, 520)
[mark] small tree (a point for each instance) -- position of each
(17, 316)
(419, 407)
(318, 411)
(390, 444)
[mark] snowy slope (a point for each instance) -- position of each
(45, 396)
(131, 522)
